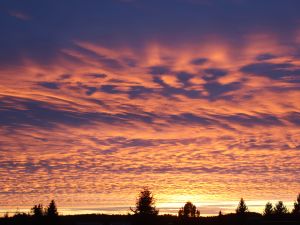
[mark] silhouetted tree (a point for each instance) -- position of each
(189, 210)
(52, 209)
(6, 215)
(296, 209)
(280, 209)
(268, 211)
(220, 213)
(221, 217)
(242, 208)
(180, 212)
(37, 210)
(145, 204)
(241, 212)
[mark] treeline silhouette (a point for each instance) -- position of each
(146, 213)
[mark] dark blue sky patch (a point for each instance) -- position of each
(50, 85)
(65, 76)
(112, 23)
(139, 92)
(169, 91)
(112, 63)
(140, 143)
(217, 90)
(159, 81)
(214, 73)
(39, 114)
(189, 118)
(252, 120)
(96, 75)
(159, 70)
(294, 117)
(266, 56)
(45, 115)
(130, 62)
(110, 89)
(144, 117)
(199, 61)
(184, 78)
(118, 81)
(283, 71)
(91, 90)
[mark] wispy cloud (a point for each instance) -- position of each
(19, 15)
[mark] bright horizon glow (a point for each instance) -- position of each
(164, 208)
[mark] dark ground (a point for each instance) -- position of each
(229, 219)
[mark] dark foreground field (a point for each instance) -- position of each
(230, 219)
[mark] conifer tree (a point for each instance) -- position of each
(242, 208)
(145, 204)
(296, 209)
(268, 211)
(52, 210)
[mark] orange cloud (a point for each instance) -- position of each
(203, 121)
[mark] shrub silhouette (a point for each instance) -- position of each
(37, 210)
(268, 211)
(280, 209)
(220, 213)
(296, 209)
(189, 210)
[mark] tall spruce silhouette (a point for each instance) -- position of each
(52, 210)
(145, 204)
(242, 207)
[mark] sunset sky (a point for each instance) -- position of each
(197, 99)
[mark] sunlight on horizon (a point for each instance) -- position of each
(209, 208)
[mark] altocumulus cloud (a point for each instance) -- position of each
(122, 93)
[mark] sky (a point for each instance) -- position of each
(196, 99)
